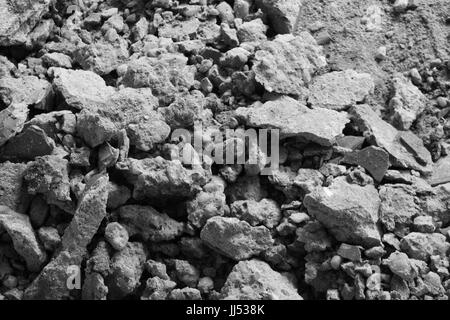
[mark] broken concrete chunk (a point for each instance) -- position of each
(145, 134)
(94, 128)
(254, 30)
(234, 238)
(441, 172)
(116, 235)
(287, 64)
(204, 206)
(282, 14)
(407, 103)
(24, 240)
(405, 149)
(127, 266)
(398, 206)
(438, 202)
(348, 211)
(12, 189)
(157, 178)
(421, 246)
(400, 264)
(48, 175)
(293, 119)
(256, 280)
(94, 287)
(373, 159)
(352, 253)
(179, 30)
(80, 89)
(149, 223)
(118, 195)
(265, 212)
(57, 59)
(340, 89)
(18, 20)
(28, 89)
(31, 143)
(12, 121)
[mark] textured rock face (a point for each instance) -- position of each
(286, 64)
(51, 283)
(349, 212)
(256, 280)
(28, 89)
(12, 120)
(340, 89)
(18, 18)
(282, 13)
(19, 228)
(149, 223)
(405, 149)
(235, 238)
(373, 159)
(12, 191)
(295, 120)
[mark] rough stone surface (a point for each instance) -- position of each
(349, 212)
(256, 280)
(295, 120)
(234, 238)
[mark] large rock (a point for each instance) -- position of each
(160, 179)
(437, 203)
(282, 14)
(340, 89)
(287, 64)
(265, 212)
(234, 238)
(405, 149)
(256, 280)
(293, 119)
(408, 102)
(24, 239)
(28, 89)
(80, 89)
(422, 246)
(12, 121)
(348, 211)
(373, 159)
(12, 190)
(398, 206)
(52, 281)
(165, 75)
(149, 223)
(127, 266)
(18, 18)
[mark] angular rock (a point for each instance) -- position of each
(149, 223)
(405, 149)
(265, 212)
(28, 89)
(31, 143)
(234, 238)
(48, 175)
(18, 19)
(256, 280)
(179, 30)
(398, 206)
(116, 235)
(437, 203)
(52, 281)
(441, 172)
(12, 120)
(127, 266)
(56, 59)
(287, 64)
(407, 103)
(421, 246)
(80, 89)
(254, 30)
(24, 240)
(340, 89)
(94, 287)
(293, 119)
(373, 159)
(145, 134)
(94, 128)
(12, 189)
(348, 211)
(204, 206)
(159, 179)
(282, 14)
(401, 265)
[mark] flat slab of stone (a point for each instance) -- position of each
(373, 159)
(293, 119)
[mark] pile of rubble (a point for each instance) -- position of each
(98, 199)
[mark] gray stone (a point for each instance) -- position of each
(348, 211)
(340, 89)
(421, 246)
(24, 240)
(400, 265)
(405, 149)
(116, 235)
(12, 189)
(12, 121)
(234, 238)
(265, 212)
(30, 90)
(287, 64)
(149, 223)
(282, 14)
(256, 280)
(293, 119)
(373, 159)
